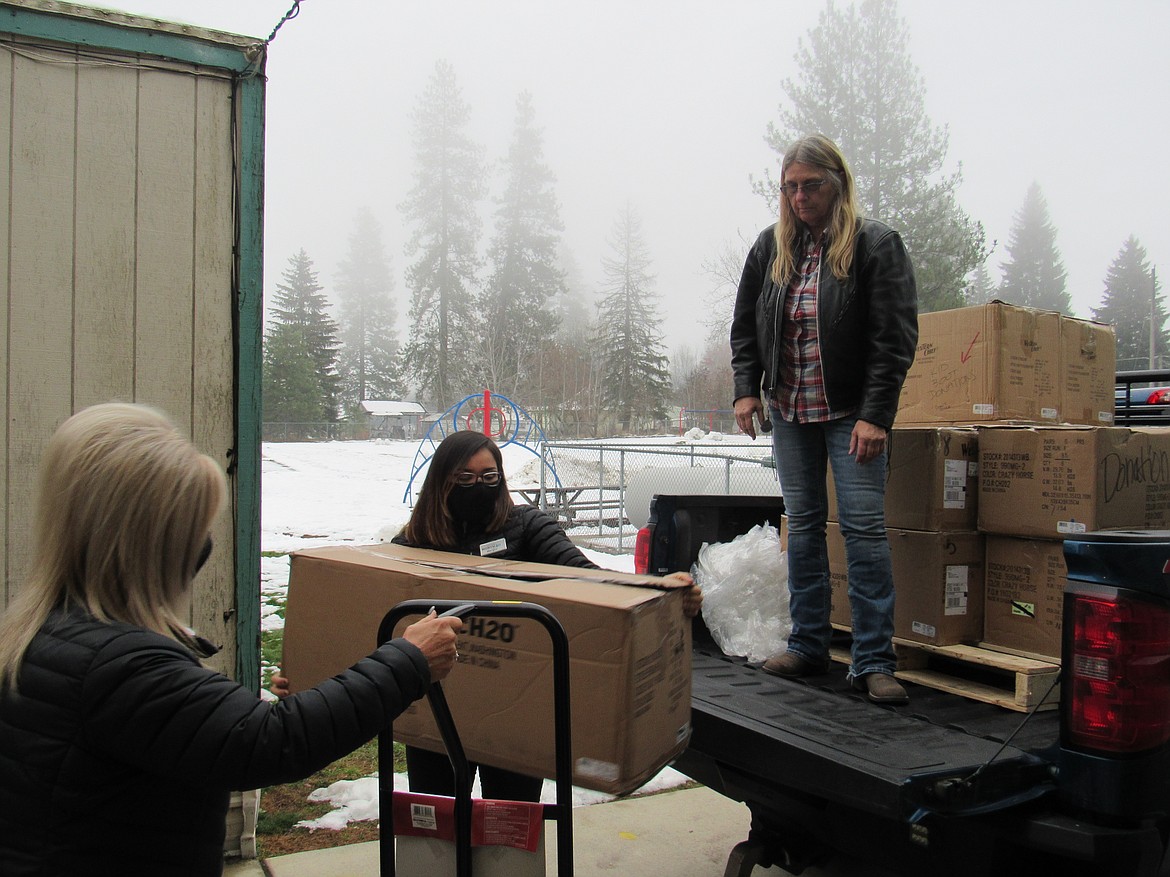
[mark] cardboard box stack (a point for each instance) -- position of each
(1003, 444)
(1038, 485)
(1038, 386)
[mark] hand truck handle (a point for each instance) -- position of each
(562, 811)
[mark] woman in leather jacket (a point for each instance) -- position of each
(118, 748)
(825, 326)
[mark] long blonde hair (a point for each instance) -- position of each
(819, 151)
(124, 507)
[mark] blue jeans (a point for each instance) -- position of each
(803, 450)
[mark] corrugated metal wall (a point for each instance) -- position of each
(116, 249)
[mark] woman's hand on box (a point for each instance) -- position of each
(279, 685)
(692, 596)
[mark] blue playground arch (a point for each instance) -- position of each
(493, 415)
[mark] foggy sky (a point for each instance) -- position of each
(665, 104)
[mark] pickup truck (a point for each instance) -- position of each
(946, 785)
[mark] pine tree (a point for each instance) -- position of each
(369, 364)
(517, 304)
(565, 376)
(292, 387)
(1131, 303)
(448, 183)
(300, 356)
(859, 87)
(980, 287)
(574, 306)
(1034, 275)
(635, 375)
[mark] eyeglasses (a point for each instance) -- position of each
(809, 188)
(490, 478)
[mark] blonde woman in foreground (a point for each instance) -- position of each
(118, 749)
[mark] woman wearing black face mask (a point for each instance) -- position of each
(464, 506)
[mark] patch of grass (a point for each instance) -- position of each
(277, 823)
(271, 646)
(281, 807)
(273, 553)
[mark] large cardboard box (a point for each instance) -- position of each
(1088, 356)
(629, 646)
(991, 362)
(1024, 595)
(938, 584)
(932, 479)
(1050, 482)
(998, 362)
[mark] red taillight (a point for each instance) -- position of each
(642, 551)
(1159, 397)
(1119, 672)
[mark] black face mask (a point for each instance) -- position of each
(472, 506)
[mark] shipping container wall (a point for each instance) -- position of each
(117, 233)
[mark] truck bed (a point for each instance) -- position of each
(818, 734)
(822, 769)
(947, 784)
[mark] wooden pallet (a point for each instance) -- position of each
(1010, 681)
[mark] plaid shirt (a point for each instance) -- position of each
(799, 394)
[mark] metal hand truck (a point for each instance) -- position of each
(561, 811)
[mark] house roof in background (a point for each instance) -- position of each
(385, 407)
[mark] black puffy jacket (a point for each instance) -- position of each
(868, 324)
(529, 534)
(119, 749)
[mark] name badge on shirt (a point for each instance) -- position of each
(493, 547)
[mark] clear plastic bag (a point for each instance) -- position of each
(745, 593)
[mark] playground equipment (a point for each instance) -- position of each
(495, 416)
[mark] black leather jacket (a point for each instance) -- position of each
(868, 324)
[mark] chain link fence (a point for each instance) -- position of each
(601, 491)
(339, 430)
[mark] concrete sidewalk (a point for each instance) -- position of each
(685, 833)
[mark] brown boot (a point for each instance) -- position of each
(882, 688)
(791, 665)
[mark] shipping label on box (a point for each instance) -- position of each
(1051, 482)
(1024, 595)
(629, 646)
(991, 362)
(938, 584)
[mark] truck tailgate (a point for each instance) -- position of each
(819, 737)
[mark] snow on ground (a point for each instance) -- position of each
(329, 493)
